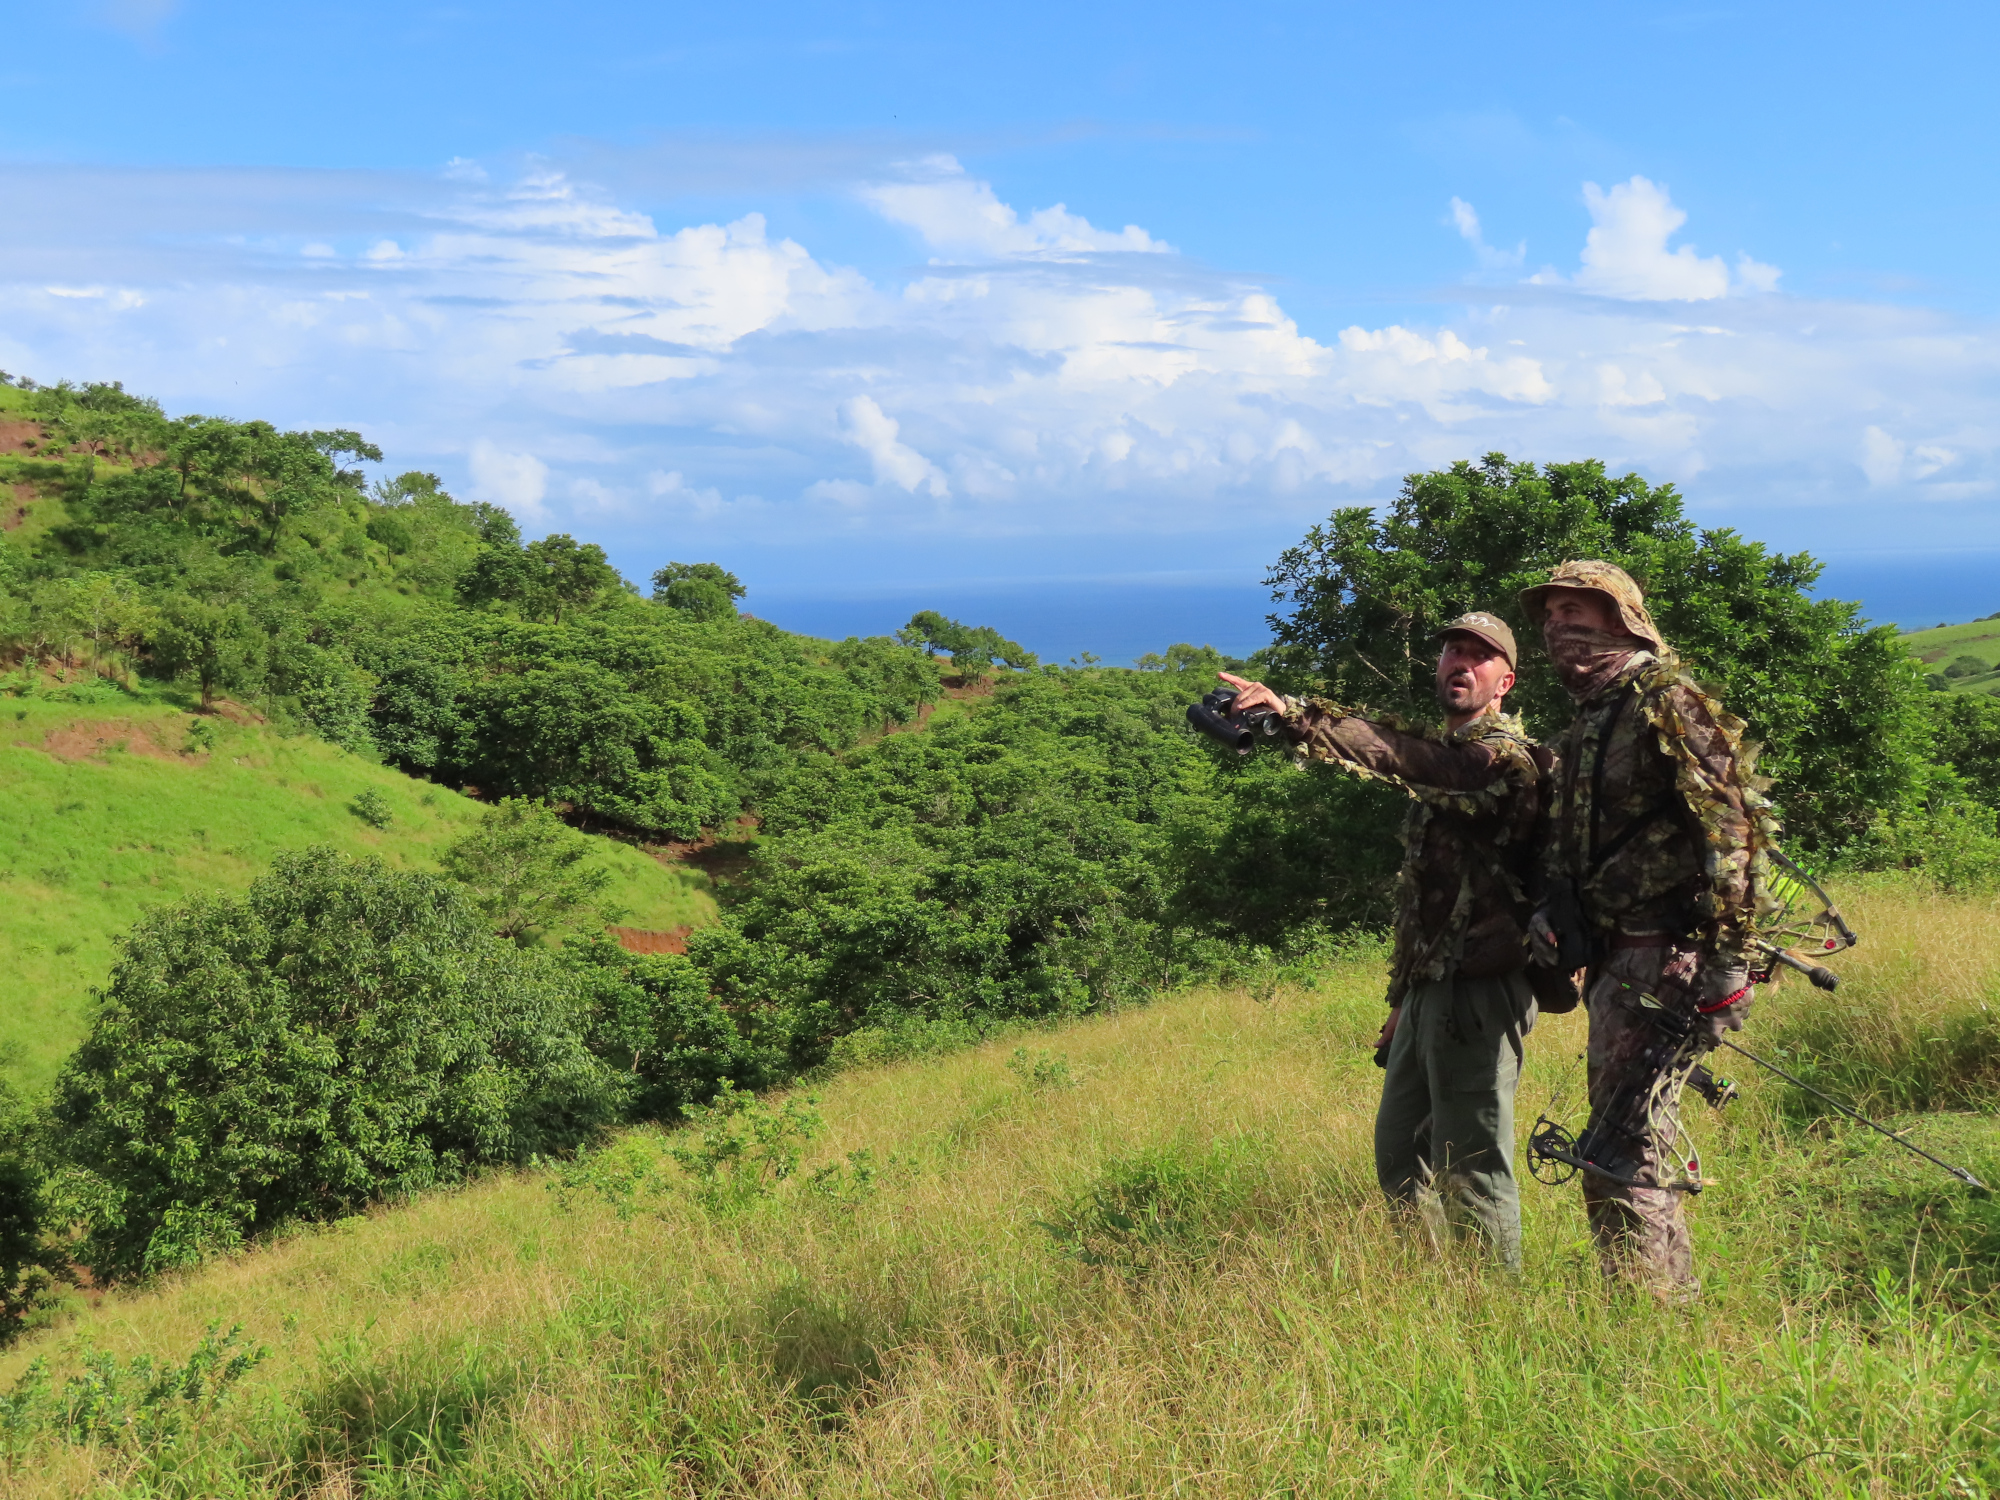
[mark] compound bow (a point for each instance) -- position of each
(1798, 926)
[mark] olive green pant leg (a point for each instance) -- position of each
(1403, 1120)
(1444, 1135)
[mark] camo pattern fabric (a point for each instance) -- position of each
(1468, 843)
(1641, 1233)
(1657, 816)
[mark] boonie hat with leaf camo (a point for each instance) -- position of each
(1603, 578)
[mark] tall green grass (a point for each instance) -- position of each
(122, 803)
(1158, 1268)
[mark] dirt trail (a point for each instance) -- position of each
(638, 940)
(93, 739)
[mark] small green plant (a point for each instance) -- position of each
(201, 737)
(132, 1402)
(1158, 1201)
(1043, 1072)
(372, 808)
(743, 1147)
(620, 1174)
(850, 1181)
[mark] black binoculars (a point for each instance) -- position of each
(1214, 716)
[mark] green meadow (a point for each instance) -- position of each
(1964, 658)
(132, 801)
(1139, 1255)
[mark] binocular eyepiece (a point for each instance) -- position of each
(1214, 716)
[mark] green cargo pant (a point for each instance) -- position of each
(1444, 1136)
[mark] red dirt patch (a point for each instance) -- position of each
(23, 497)
(17, 436)
(924, 712)
(638, 940)
(93, 739)
(958, 687)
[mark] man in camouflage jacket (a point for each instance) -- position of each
(1459, 998)
(1655, 833)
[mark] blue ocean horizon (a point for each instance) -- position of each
(1119, 619)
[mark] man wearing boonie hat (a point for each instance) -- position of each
(1654, 831)
(1459, 998)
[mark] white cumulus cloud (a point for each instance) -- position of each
(1625, 254)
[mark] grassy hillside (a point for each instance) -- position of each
(120, 804)
(1965, 657)
(1145, 1256)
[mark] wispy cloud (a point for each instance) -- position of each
(957, 214)
(138, 18)
(1465, 219)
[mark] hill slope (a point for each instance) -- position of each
(114, 807)
(1143, 1256)
(1963, 658)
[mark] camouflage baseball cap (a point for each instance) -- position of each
(1489, 628)
(1602, 578)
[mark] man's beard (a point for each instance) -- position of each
(1468, 707)
(1586, 659)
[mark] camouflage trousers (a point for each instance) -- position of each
(1641, 1233)
(1444, 1135)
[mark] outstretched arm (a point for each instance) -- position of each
(1429, 769)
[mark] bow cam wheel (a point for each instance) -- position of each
(1551, 1153)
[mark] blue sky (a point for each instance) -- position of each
(865, 297)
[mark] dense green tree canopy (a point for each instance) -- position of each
(1841, 708)
(346, 1030)
(706, 590)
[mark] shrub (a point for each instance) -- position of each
(524, 869)
(1966, 736)
(1175, 1199)
(372, 808)
(1966, 666)
(1952, 840)
(652, 1020)
(739, 1148)
(1042, 1071)
(132, 1401)
(26, 1260)
(344, 1032)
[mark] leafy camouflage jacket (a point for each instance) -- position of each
(1469, 840)
(1656, 815)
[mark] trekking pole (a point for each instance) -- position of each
(1959, 1172)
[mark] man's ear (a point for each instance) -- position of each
(1506, 685)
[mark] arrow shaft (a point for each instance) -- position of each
(1853, 1114)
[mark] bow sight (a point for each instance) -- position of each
(1215, 715)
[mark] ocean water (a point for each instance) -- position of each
(1119, 620)
(1059, 620)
